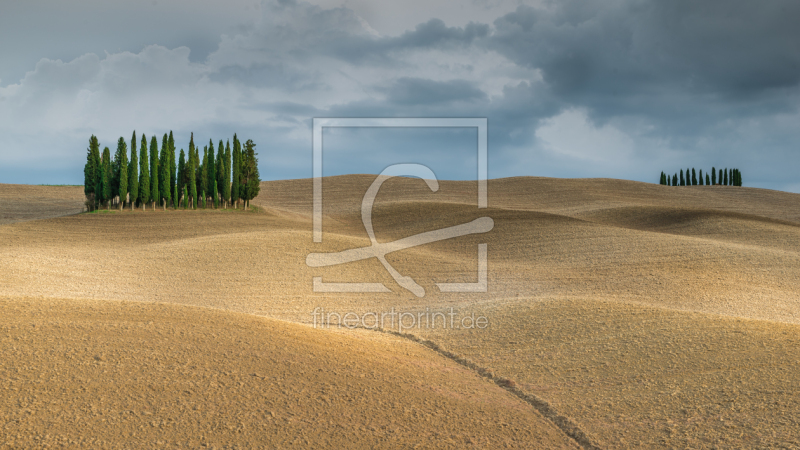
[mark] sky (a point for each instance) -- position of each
(576, 88)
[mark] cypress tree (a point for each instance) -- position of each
(725, 177)
(694, 177)
(154, 186)
(214, 195)
(91, 172)
(191, 174)
(144, 175)
(683, 181)
(251, 181)
(226, 187)
(105, 177)
(219, 167)
(236, 169)
(211, 174)
(203, 173)
(172, 166)
(675, 180)
(163, 175)
(181, 179)
(122, 150)
(713, 176)
(708, 180)
(700, 177)
(133, 172)
(185, 199)
(115, 173)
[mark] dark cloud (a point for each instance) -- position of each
(733, 48)
(418, 91)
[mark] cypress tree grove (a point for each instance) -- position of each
(211, 174)
(700, 177)
(154, 186)
(106, 176)
(226, 180)
(163, 174)
(91, 173)
(236, 169)
(122, 150)
(144, 175)
(683, 181)
(133, 173)
(694, 177)
(251, 181)
(713, 176)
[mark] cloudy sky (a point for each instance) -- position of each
(576, 88)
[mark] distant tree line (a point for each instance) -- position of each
(724, 177)
(224, 178)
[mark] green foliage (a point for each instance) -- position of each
(165, 194)
(694, 177)
(708, 180)
(211, 173)
(700, 177)
(91, 171)
(191, 174)
(172, 166)
(725, 177)
(203, 174)
(683, 181)
(675, 180)
(154, 185)
(103, 189)
(220, 168)
(214, 194)
(713, 175)
(226, 180)
(236, 170)
(144, 173)
(122, 162)
(133, 172)
(185, 198)
(250, 178)
(181, 178)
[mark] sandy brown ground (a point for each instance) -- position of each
(103, 373)
(21, 202)
(650, 315)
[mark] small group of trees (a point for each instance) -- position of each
(724, 177)
(218, 179)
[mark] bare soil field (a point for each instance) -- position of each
(649, 316)
(21, 202)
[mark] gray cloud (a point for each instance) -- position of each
(418, 91)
